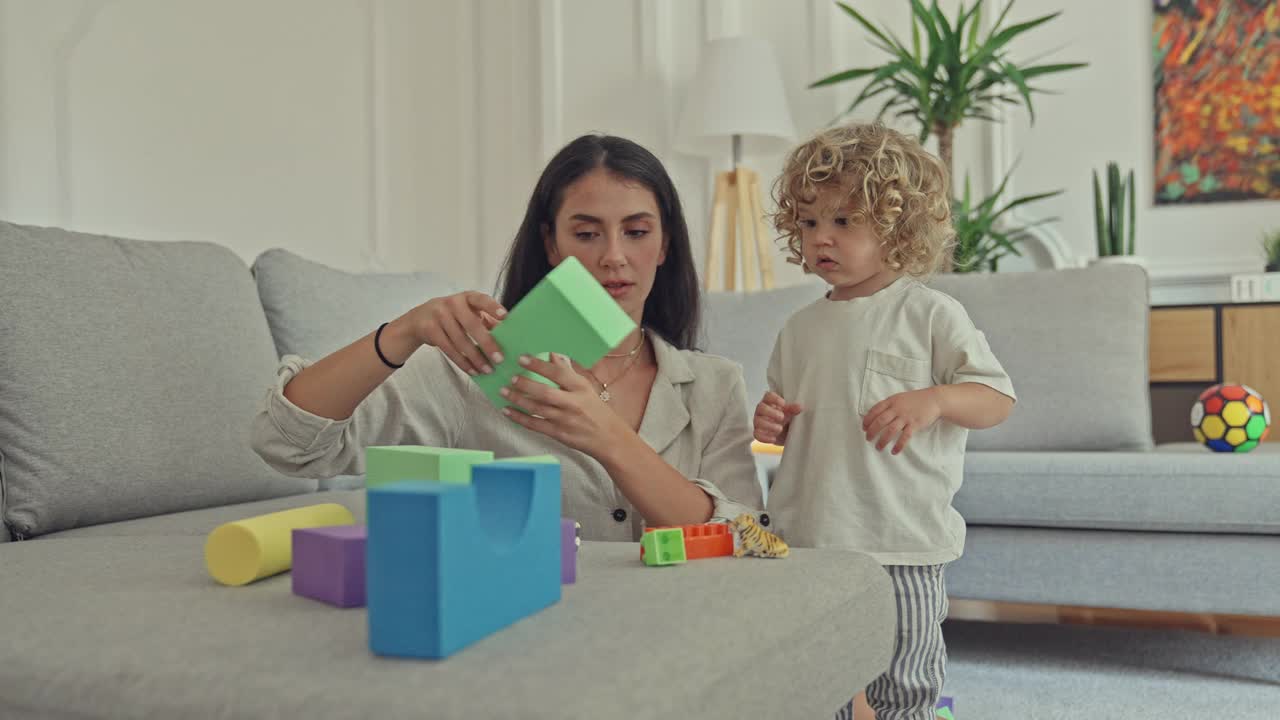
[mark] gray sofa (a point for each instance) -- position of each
(128, 371)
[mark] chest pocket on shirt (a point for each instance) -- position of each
(888, 374)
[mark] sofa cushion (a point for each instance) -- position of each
(130, 371)
(314, 309)
(744, 326)
(199, 523)
(1078, 361)
(1075, 344)
(1179, 572)
(1161, 490)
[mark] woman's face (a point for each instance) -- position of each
(613, 227)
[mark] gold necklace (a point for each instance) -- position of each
(632, 351)
(605, 395)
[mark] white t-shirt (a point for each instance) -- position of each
(837, 359)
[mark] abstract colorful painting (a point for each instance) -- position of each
(1217, 100)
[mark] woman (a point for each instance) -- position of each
(654, 433)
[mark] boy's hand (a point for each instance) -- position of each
(901, 416)
(773, 419)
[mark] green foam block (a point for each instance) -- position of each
(388, 464)
(569, 313)
(945, 714)
(533, 460)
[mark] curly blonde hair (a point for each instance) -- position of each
(893, 183)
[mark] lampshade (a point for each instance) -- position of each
(737, 90)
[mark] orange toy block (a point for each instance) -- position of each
(707, 540)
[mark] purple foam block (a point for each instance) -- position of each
(948, 703)
(568, 551)
(328, 564)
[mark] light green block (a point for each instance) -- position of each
(945, 714)
(534, 459)
(664, 547)
(568, 312)
(388, 464)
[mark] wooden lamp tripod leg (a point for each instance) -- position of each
(747, 229)
(731, 233)
(762, 235)
(738, 226)
(716, 241)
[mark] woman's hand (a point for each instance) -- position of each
(459, 325)
(572, 413)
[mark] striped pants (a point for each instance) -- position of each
(910, 688)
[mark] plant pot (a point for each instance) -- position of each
(1273, 267)
(1119, 260)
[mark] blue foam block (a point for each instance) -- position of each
(449, 564)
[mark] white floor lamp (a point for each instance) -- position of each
(736, 102)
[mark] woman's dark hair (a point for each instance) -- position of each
(673, 307)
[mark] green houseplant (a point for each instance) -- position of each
(1271, 248)
(1114, 212)
(981, 237)
(953, 71)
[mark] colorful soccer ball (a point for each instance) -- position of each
(1231, 418)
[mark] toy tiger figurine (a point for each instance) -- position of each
(755, 540)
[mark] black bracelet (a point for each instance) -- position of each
(377, 347)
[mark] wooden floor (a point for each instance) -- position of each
(1061, 614)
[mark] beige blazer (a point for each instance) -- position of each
(696, 419)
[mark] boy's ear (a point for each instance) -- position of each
(549, 245)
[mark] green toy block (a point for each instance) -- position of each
(663, 547)
(544, 357)
(569, 313)
(945, 714)
(534, 460)
(388, 464)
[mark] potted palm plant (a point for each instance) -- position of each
(1271, 248)
(982, 238)
(953, 71)
(1114, 217)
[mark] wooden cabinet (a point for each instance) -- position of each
(1184, 345)
(1251, 349)
(1195, 347)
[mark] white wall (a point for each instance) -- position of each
(624, 66)
(347, 130)
(1104, 113)
(407, 134)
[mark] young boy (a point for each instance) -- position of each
(873, 388)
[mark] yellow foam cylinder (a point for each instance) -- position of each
(237, 553)
(765, 448)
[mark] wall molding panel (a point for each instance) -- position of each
(65, 52)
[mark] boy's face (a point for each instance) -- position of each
(847, 255)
